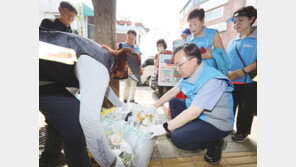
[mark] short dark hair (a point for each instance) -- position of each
(67, 5)
(132, 31)
(196, 13)
(191, 51)
(248, 11)
(162, 41)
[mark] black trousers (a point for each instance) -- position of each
(245, 99)
(196, 134)
(61, 111)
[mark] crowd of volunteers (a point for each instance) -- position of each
(216, 82)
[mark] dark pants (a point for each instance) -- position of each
(245, 98)
(196, 134)
(61, 111)
(53, 143)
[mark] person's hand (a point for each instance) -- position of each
(206, 55)
(125, 49)
(239, 73)
(129, 48)
(231, 75)
(119, 162)
(155, 130)
(151, 109)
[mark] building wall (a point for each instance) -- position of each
(226, 30)
(120, 37)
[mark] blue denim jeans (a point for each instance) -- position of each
(196, 134)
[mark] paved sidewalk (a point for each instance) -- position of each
(239, 159)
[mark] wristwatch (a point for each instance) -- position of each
(168, 134)
(165, 126)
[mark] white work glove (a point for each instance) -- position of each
(155, 130)
(119, 162)
(151, 109)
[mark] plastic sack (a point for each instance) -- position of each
(125, 131)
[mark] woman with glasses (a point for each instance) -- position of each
(209, 39)
(242, 51)
(205, 117)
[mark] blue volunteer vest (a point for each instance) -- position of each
(247, 49)
(126, 45)
(220, 59)
(222, 114)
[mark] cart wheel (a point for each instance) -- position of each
(146, 83)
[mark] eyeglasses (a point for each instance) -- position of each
(178, 66)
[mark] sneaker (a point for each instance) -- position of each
(125, 101)
(214, 153)
(133, 101)
(238, 137)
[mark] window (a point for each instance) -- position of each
(90, 27)
(91, 31)
(252, 3)
(91, 20)
(214, 14)
(188, 7)
(195, 2)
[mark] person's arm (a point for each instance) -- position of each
(183, 118)
(156, 60)
(239, 73)
(251, 67)
(167, 96)
(93, 80)
(231, 75)
(217, 42)
(113, 98)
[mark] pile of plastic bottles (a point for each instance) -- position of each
(125, 130)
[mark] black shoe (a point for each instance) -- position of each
(169, 136)
(133, 101)
(214, 153)
(125, 101)
(49, 160)
(238, 137)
